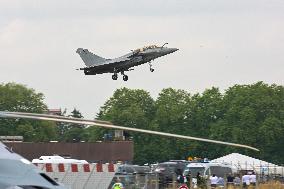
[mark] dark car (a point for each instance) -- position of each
(132, 169)
(168, 171)
(127, 173)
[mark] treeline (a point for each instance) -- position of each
(19, 98)
(247, 114)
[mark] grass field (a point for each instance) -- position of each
(270, 185)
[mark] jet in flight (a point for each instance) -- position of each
(99, 65)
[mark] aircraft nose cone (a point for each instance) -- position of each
(175, 49)
(171, 50)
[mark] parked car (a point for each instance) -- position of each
(167, 171)
(132, 169)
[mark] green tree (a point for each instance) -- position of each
(203, 110)
(171, 114)
(74, 132)
(131, 108)
(19, 98)
(62, 128)
(253, 115)
(247, 114)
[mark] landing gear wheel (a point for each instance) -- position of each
(151, 69)
(114, 76)
(125, 78)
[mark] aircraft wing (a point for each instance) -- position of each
(108, 63)
(111, 126)
(120, 59)
(114, 61)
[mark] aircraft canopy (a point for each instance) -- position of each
(146, 47)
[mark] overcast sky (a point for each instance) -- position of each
(221, 42)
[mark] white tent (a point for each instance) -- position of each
(243, 162)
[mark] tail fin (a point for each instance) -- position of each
(89, 58)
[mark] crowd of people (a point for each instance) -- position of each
(248, 179)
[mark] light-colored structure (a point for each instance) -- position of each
(56, 159)
(11, 138)
(243, 162)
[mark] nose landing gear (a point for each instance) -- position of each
(151, 69)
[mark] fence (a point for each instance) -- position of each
(266, 172)
(269, 176)
(152, 181)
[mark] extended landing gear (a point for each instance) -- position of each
(114, 76)
(125, 78)
(151, 69)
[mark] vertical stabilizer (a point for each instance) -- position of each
(89, 58)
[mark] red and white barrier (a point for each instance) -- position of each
(79, 176)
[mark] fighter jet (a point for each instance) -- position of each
(17, 172)
(99, 65)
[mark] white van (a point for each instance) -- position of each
(207, 169)
(57, 159)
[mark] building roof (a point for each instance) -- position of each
(54, 111)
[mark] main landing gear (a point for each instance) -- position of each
(125, 78)
(114, 76)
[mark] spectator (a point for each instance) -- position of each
(237, 180)
(213, 180)
(221, 182)
(117, 185)
(200, 181)
(245, 180)
(180, 179)
(188, 179)
(180, 176)
(253, 179)
(230, 180)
